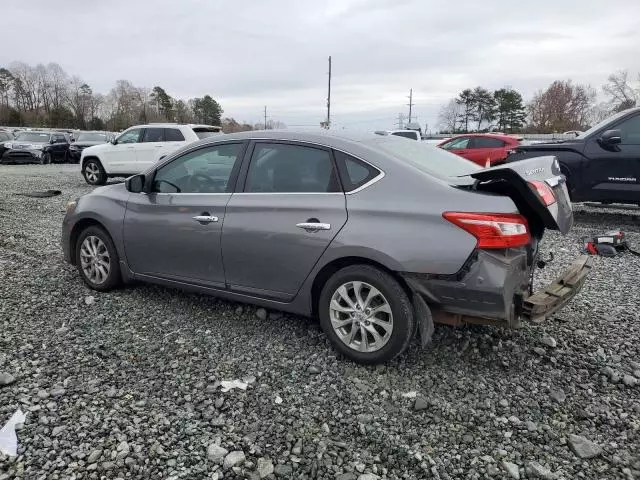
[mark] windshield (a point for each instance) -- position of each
(92, 137)
(428, 158)
(598, 126)
(33, 137)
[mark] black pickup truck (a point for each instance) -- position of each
(602, 164)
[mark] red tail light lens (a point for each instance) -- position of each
(493, 230)
(544, 191)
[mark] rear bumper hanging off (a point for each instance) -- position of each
(503, 302)
(545, 302)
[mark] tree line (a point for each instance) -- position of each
(46, 96)
(562, 106)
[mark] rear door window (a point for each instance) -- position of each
(153, 135)
(285, 168)
(486, 142)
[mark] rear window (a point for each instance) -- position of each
(428, 158)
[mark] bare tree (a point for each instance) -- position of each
(562, 106)
(620, 91)
(449, 116)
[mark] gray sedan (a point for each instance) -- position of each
(377, 236)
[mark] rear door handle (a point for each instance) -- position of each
(205, 218)
(313, 226)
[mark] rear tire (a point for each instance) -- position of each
(366, 314)
(93, 172)
(97, 259)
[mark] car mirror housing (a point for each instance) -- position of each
(135, 184)
(113, 141)
(611, 137)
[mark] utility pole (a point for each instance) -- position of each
(400, 122)
(329, 97)
(265, 117)
(410, 102)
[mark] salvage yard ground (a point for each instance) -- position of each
(127, 384)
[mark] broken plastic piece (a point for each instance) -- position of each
(230, 384)
(8, 438)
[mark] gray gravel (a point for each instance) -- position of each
(126, 384)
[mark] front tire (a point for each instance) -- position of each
(93, 172)
(46, 159)
(366, 314)
(97, 259)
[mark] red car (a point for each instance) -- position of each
(480, 147)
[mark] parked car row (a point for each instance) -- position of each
(46, 146)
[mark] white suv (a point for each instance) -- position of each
(137, 148)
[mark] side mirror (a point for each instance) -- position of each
(52, 141)
(135, 184)
(113, 141)
(611, 137)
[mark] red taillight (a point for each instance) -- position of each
(493, 230)
(544, 192)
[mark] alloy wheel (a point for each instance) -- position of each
(361, 316)
(92, 172)
(95, 260)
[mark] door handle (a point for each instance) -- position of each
(159, 146)
(205, 218)
(313, 226)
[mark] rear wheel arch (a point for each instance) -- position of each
(326, 272)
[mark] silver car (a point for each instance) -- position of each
(377, 236)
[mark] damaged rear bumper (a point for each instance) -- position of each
(493, 289)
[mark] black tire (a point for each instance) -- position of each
(46, 158)
(398, 301)
(93, 172)
(113, 278)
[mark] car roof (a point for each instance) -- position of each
(322, 137)
(488, 135)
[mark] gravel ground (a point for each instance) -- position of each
(128, 384)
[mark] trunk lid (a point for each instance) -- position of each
(513, 179)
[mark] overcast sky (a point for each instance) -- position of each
(252, 53)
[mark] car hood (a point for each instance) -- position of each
(572, 144)
(26, 144)
(96, 149)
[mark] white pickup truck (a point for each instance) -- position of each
(137, 148)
